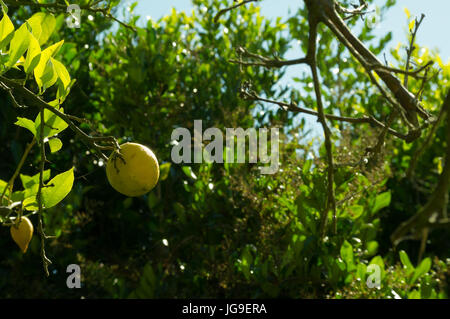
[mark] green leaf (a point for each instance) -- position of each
(406, 262)
(188, 171)
(29, 181)
(347, 255)
(180, 211)
(26, 123)
(63, 92)
(6, 31)
(57, 188)
(422, 269)
(153, 200)
(55, 144)
(4, 7)
(372, 247)
(307, 167)
(3, 184)
(164, 170)
(41, 68)
(378, 260)
(49, 77)
(355, 211)
(381, 201)
(33, 55)
(35, 24)
(30, 203)
(19, 44)
(53, 123)
(43, 24)
(62, 72)
(31, 191)
(17, 196)
(361, 271)
(414, 294)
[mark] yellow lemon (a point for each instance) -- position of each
(132, 171)
(22, 233)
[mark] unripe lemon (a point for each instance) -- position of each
(132, 171)
(22, 233)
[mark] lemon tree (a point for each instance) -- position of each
(33, 76)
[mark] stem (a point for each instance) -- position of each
(16, 173)
(45, 261)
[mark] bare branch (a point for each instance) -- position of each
(411, 49)
(265, 62)
(406, 99)
(223, 11)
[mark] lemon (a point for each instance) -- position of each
(22, 233)
(132, 171)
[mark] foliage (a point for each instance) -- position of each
(209, 230)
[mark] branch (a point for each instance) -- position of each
(38, 102)
(312, 59)
(223, 11)
(406, 99)
(17, 171)
(412, 47)
(265, 62)
(351, 13)
(297, 109)
(45, 261)
(437, 199)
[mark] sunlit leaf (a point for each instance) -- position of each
(188, 171)
(26, 123)
(19, 44)
(43, 24)
(381, 201)
(421, 270)
(164, 170)
(57, 188)
(62, 72)
(55, 144)
(6, 31)
(33, 55)
(53, 123)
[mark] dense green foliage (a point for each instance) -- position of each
(219, 230)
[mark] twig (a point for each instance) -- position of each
(223, 11)
(297, 109)
(312, 57)
(17, 171)
(45, 261)
(411, 49)
(357, 11)
(266, 62)
(406, 99)
(38, 102)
